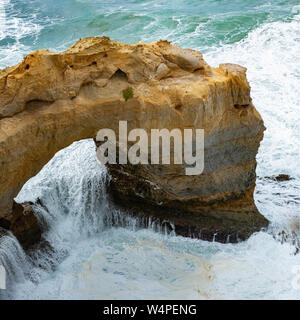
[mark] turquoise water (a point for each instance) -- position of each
(91, 259)
(31, 25)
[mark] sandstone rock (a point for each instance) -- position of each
(50, 100)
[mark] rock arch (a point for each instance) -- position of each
(50, 100)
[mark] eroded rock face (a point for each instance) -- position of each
(50, 100)
(24, 224)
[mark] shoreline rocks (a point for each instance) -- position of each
(24, 224)
(229, 220)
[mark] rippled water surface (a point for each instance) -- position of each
(91, 259)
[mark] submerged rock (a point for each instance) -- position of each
(281, 177)
(50, 100)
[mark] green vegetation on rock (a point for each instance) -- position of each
(128, 93)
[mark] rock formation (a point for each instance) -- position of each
(50, 100)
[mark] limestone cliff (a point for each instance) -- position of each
(51, 99)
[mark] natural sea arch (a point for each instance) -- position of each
(50, 100)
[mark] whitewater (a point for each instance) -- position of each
(83, 254)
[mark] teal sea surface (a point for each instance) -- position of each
(89, 258)
(200, 24)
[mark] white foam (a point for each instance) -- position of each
(16, 28)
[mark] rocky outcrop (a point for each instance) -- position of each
(50, 100)
(24, 224)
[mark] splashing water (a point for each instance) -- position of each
(82, 255)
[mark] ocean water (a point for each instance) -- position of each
(87, 257)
